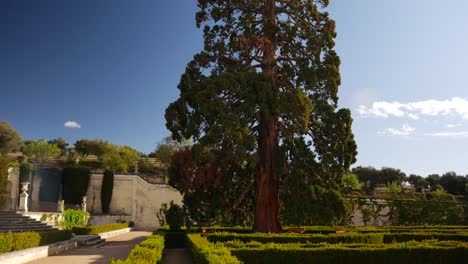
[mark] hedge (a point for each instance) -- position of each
(148, 252)
(204, 252)
(17, 241)
(93, 230)
(106, 190)
(403, 237)
(376, 238)
(75, 184)
(410, 252)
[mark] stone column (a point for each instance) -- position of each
(60, 206)
(83, 203)
(23, 205)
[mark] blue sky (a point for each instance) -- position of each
(112, 67)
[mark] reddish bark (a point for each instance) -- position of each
(267, 204)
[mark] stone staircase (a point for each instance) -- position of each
(15, 222)
(90, 241)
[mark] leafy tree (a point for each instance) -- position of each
(10, 140)
(61, 144)
(167, 147)
(40, 150)
(86, 147)
(113, 161)
(106, 190)
(369, 176)
(4, 166)
(267, 78)
(453, 183)
(351, 182)
(210, 198)
(433, 181)
(418, 182)
(393, 188)
(119, 158)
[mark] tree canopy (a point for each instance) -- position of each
(40, 150)
(10, 140)
(264, 91)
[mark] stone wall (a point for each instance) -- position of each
(12, 190)
(132, 198)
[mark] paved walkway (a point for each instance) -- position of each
(176, 256)
(116, 247)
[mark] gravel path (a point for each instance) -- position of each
(116, 247)
(176, 256)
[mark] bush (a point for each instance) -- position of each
(403, 237)
(93, 230)
(204, 252)
(148, 252)
(73, 218)
(76, 180)
(298, 238)
(410, 252)
(175, 216)
(17, 241)
(106, 190)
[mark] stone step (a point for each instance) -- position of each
(15, 222)
(90, 241)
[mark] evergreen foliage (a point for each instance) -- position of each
(4, 166)
(10, 140)
(264, 86)
(106, 190)
(75, 184)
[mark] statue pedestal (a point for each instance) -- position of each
(23, 203)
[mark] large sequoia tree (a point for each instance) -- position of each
(264, 90)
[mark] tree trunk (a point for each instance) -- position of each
(267, 204)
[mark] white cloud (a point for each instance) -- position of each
(453, 107)
(72, 124)
(405, 130)
(458, 134)
(454, 125)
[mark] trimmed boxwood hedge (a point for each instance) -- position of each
(23, 240)
(93, 230)
(298, 238)
(204, 252)
(403, 237)
(411, 252)
(148, 252)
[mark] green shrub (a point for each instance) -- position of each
(403, 237)
(410, 252)
(76, 180)
(204, 252)
(106, 190)
(298, 238)
(148, 252)
(73, 218)
(17, 241)
(175, 216)
(6, 242)
(93, 230)
(50, 237)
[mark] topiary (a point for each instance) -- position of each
(175, 216)
(106, 190)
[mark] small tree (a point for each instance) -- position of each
(167, 147)
(175, 216)
(10, 140)
(351, 182)
(393, 188)
(41, 150)
(106, 190)
(4, 166)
